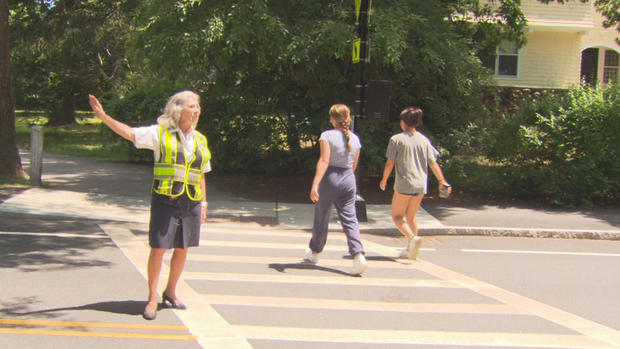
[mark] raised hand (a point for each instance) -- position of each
(96, 106)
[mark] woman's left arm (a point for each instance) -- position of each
(204, 204)
(434, 166)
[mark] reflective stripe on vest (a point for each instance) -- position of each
(172, 174)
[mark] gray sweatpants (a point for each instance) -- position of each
(336, 188)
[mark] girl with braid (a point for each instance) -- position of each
(334, 184)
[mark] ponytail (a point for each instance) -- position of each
(347, 134)
(342, 115)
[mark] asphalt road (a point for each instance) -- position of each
(576, 275)
(246, 287)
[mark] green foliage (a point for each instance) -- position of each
(62, 50)
(505, 141)
(254, 144)
(569, 145)
(374, 135)
(139, 105)
(83, 139)
(265, 61)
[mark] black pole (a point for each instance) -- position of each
(360, 203)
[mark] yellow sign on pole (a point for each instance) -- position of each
(358, 4)
(356, 50)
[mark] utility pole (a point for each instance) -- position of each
(361, 48)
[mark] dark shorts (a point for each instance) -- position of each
(174, 223)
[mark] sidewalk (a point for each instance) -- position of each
(120, 192)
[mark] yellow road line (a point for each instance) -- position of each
(30, 331)
(24, 322)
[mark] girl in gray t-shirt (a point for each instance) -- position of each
(411, 153)
(334, 184)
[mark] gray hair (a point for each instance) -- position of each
(172, 112)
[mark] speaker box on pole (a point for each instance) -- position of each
(378, 99)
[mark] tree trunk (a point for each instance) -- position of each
(10, 162)
(65, 113)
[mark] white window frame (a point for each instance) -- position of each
(516, 52)
(499, 53)
(610, 72)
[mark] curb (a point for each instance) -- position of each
(613, 235)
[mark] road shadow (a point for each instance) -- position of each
(126, 307)
(35, 252)
(282, 267)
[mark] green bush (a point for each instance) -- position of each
(254, 144)
(564, 149)
(139, 105)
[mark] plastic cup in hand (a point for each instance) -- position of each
(444, 191)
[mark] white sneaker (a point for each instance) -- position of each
(413, 249)
(359, 264)
(311, 257)
(404, 253)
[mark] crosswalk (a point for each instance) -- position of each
(247, 287)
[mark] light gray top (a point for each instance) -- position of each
(411, 153)
(339, 156)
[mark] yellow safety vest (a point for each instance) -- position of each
(173, 175)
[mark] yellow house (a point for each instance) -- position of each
(566, 44)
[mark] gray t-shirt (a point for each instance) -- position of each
(411, 153)
(339, 156)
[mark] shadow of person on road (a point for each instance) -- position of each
(281, 267)
(128, 307)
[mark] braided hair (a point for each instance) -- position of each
(342, 115)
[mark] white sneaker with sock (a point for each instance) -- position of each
(413, 248)
(404, 253)
(311, 257)
(359, 264)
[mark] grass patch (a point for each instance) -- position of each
(14, 183)
(88, 138)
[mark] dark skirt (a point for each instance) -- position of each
(174, 223)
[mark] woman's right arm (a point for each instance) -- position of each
(387, 170)
(118, 127)
(321, 167)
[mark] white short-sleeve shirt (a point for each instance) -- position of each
(147, 137)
